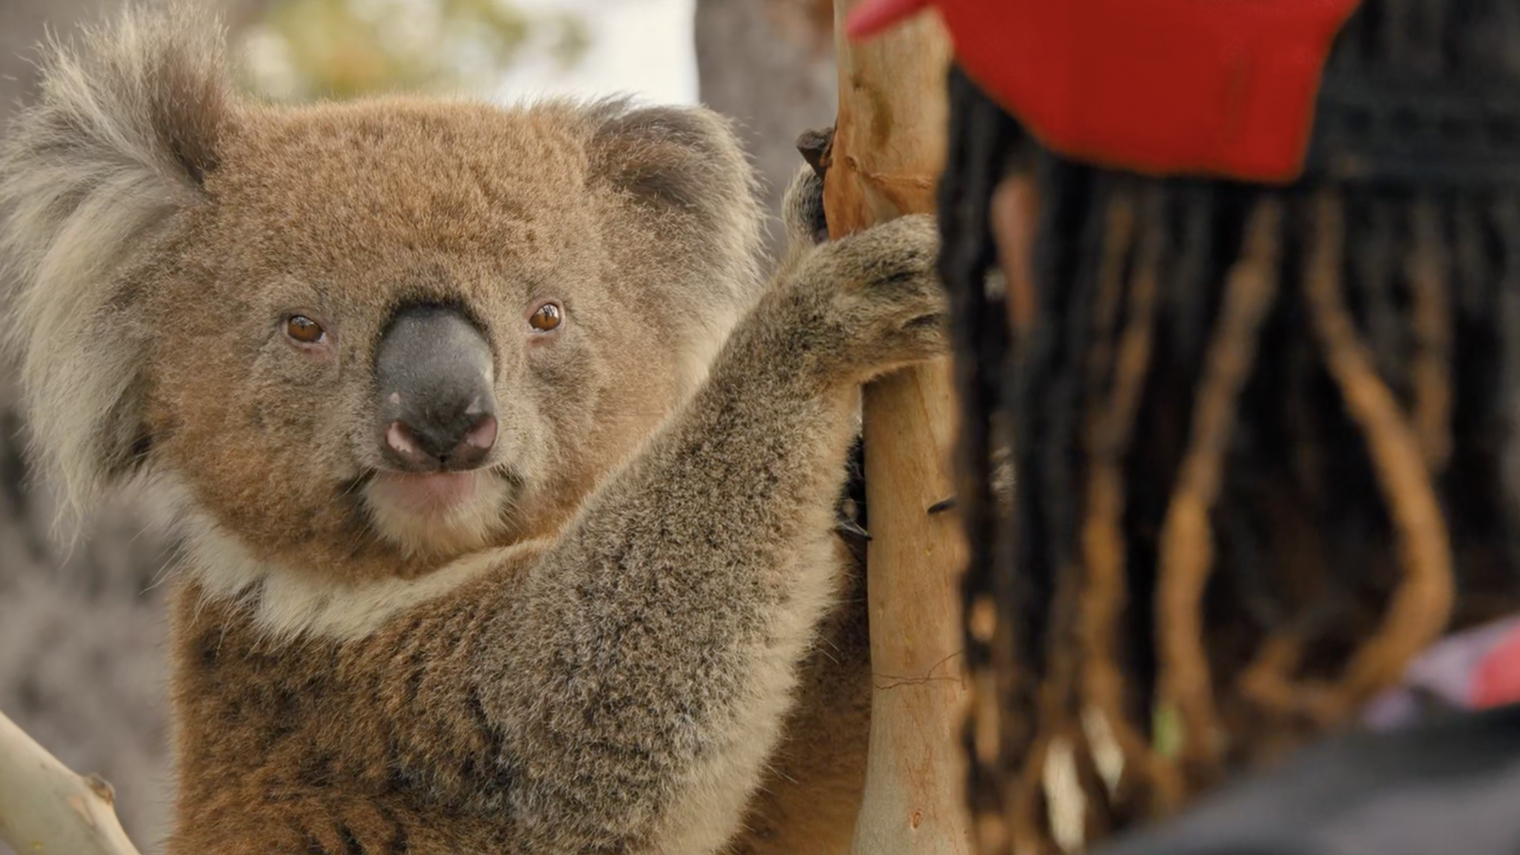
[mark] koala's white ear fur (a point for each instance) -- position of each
(121, 137)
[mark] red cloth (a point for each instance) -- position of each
(1496, 680)
(1204, 87)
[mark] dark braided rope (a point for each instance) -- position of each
(1305, 566)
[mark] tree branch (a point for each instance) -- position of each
(46, 809)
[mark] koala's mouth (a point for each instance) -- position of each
(425, 494)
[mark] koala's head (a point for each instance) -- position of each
(361, 338)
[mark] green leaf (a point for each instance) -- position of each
(1166, 730)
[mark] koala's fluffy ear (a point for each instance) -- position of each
(686, 167)
(120, 139)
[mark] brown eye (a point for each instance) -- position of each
(546, 318)
(304, 330)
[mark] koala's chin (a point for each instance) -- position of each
(439, 513)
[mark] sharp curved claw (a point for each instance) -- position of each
(850, 529)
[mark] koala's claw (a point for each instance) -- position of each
(851, 529)
(869, 302)
(814, 147)
(802, 208)
(885, 299)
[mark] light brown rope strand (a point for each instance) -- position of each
(1420, 607)
(1026, 824)
(1431, 316)
(1187, 549)
(1268, 679)
(1054, 712)
(1103, 546)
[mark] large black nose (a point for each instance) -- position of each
(433, 372)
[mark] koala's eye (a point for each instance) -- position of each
(547, 317)
(304, 330)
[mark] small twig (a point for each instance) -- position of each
(47, 809)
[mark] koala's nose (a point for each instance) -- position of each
(433, 372)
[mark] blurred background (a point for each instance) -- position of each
(82, 628)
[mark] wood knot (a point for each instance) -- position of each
(101, 787)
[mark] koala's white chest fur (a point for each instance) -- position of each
(290, 604)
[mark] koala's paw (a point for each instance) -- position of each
(802, 210)
(885, 305)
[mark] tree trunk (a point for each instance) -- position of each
(885, 158)
(769, 65)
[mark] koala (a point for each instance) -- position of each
(506, 482)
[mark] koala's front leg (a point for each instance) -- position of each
(665, 627)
